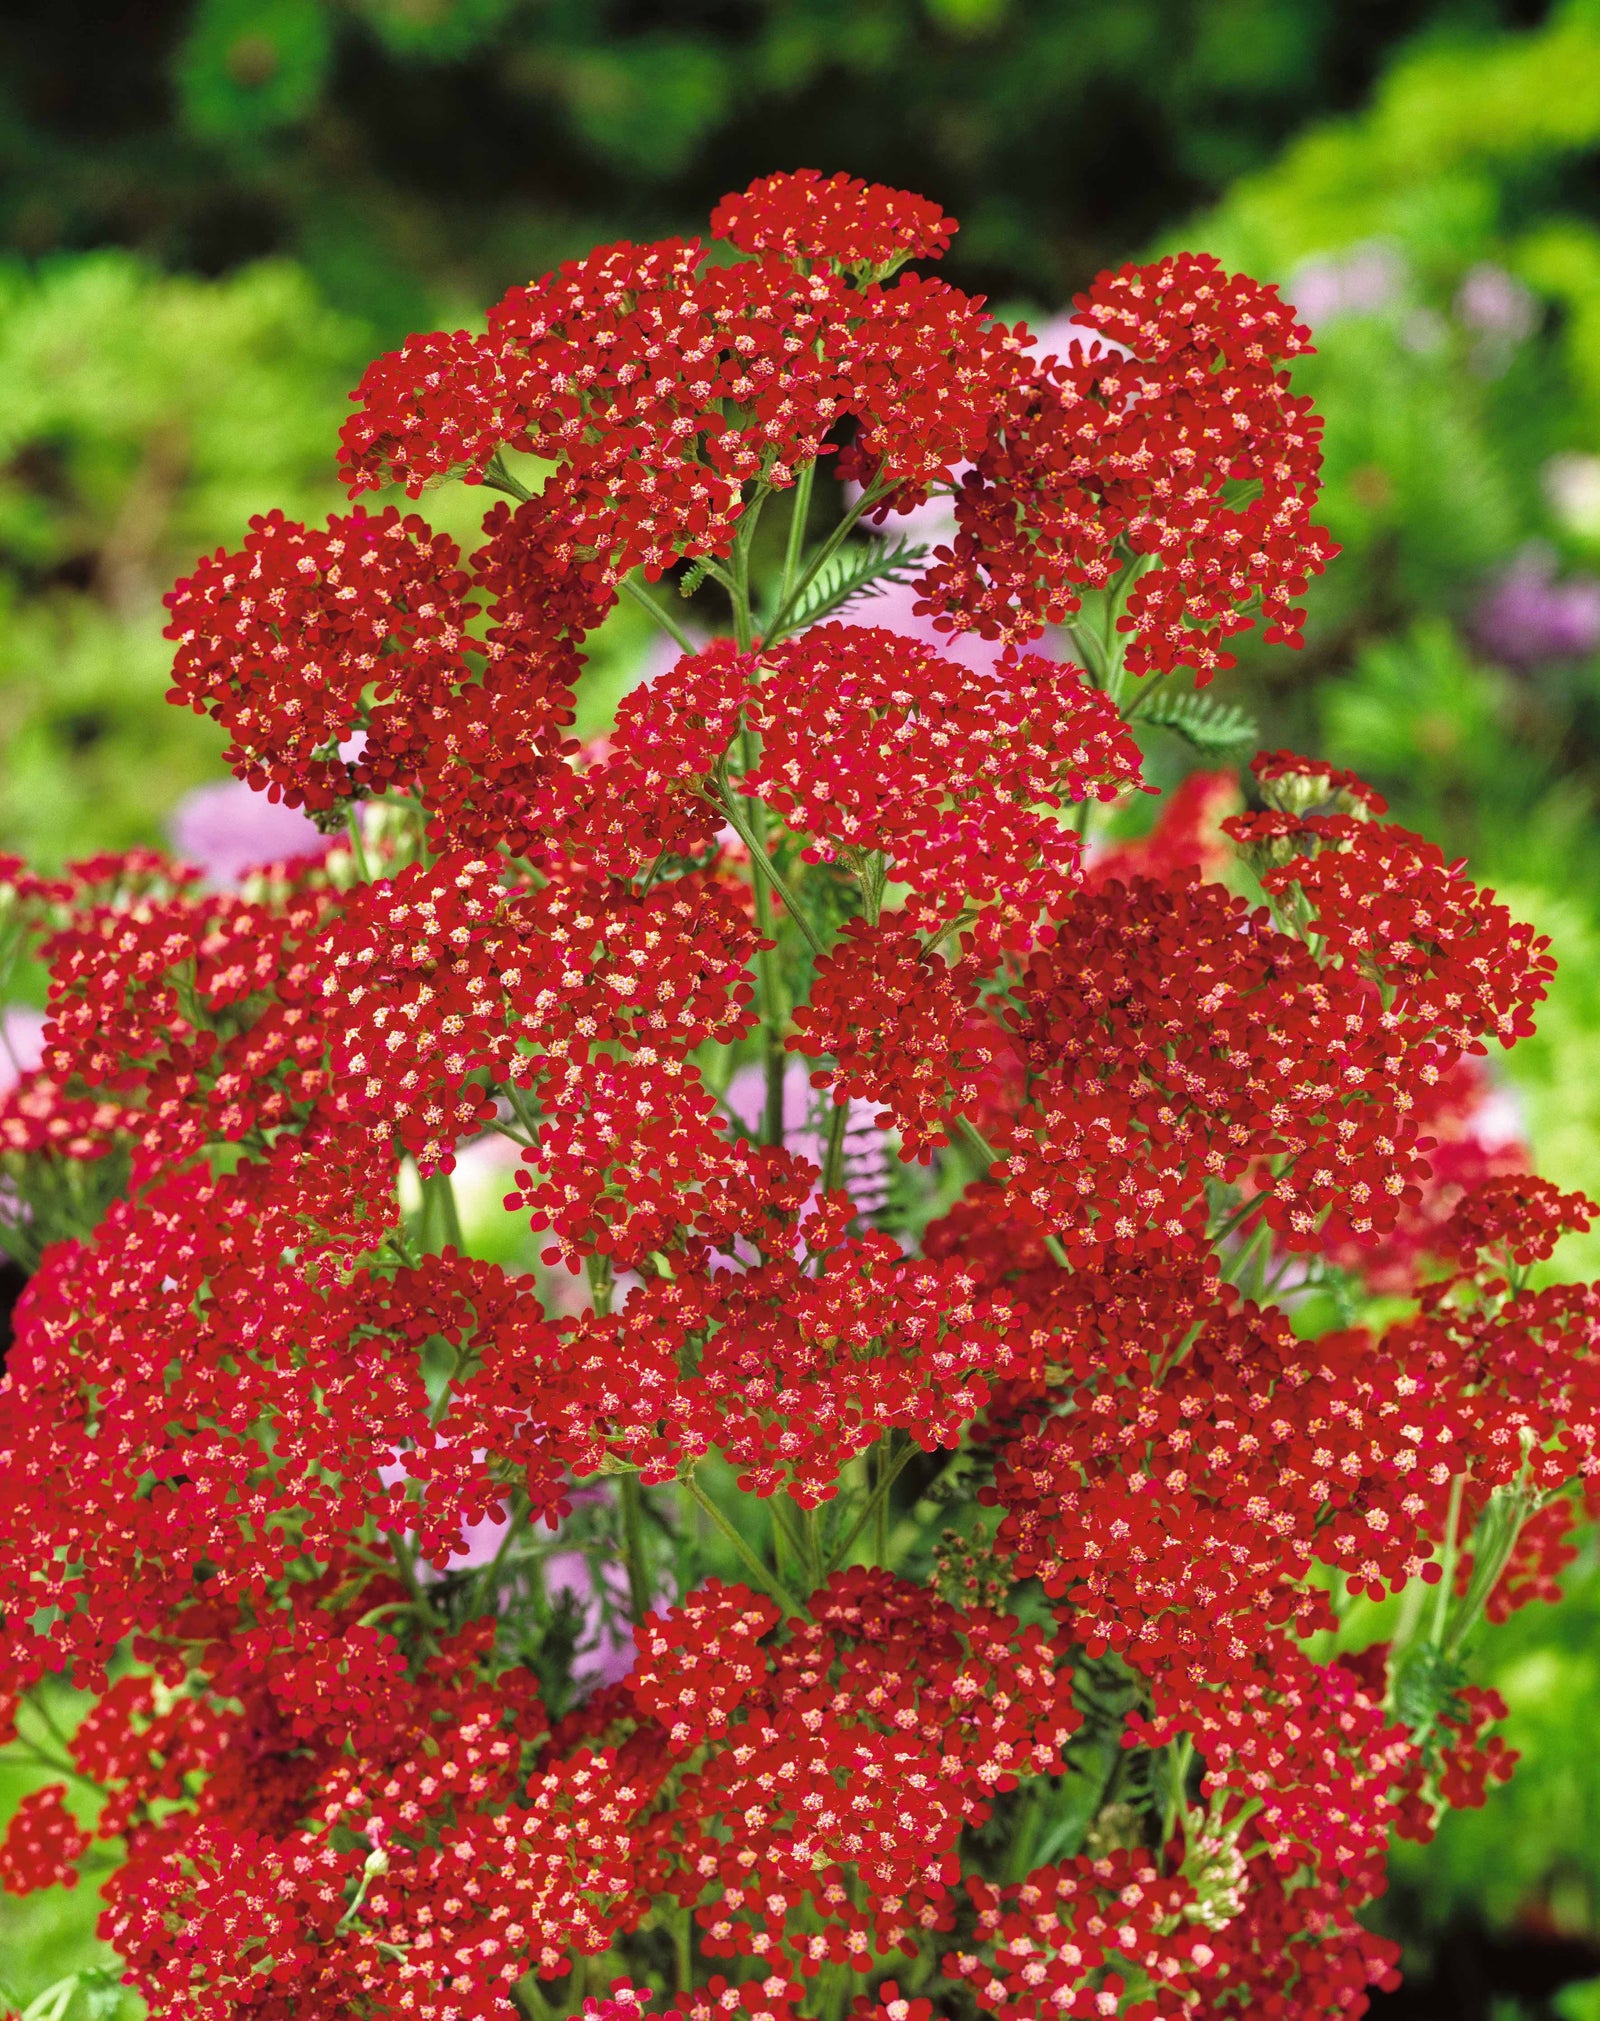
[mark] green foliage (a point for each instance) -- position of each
(145, 420)
(1205, 723)
(247, 66)
(850, 574)
(389, 143)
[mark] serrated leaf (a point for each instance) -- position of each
(850, 574)
(1205, 724)
(693, 576)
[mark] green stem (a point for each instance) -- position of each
(1180, 1754)
(358, 847)
(405, 1562)
(668, 623)
(786, 1527)
(766, 868)
(743, 627)
(683, 1947)
(36, 1757)
(1240, 1215)
(439, 1196)
(820, 560)
(769, 979)
(519, 1109)
(833, 1156)
(878, 1499)
(498, 478)
(38, 1706)
(1452, 1549)
(516, 1513)
(1503, 1521)
(742, 1550)
(630, 1498)
(797, 531)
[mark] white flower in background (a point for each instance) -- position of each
(1572, 485)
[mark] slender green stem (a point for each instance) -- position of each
(358, 847)
(766, 868)
(741, 1549)
(498, 478)
(520, 1110)
(824, 554)
(683, 1947)
(769, 978)
(1237, 1218)
(439, 1199)
(516, 1513)
(38, 1707)
(1502, 1525)
(880, 1511)
(879, 1498)
(38, 1757)
(787, 1521)
(833, 1156)
(630, 1499)
(668, 623)
(718, 573)
(1452, 1548)
(743, 624)
(1180, 1754)
(795, 545)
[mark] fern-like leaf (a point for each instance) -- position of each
(850, 574)
(1205, 724)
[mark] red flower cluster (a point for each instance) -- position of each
(874, 744)
(43, 1844)
(1135, 442)
(963, 1516)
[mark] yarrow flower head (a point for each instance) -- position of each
(899, 1352)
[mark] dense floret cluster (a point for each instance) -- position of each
(884, 1547)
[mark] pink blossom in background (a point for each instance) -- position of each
(228, 828)
(1363, 281)
(608, 1643)
(1496, 304)
(1529, 618)
(21, 1044)
(864, 1142)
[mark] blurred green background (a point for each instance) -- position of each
(214, 211)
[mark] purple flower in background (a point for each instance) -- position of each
(21, 1044)
(863, 1140)
(1056, 336)
(1496, 304)
(229, 828)
(606, 1639)
(1361, 282)
(1529, 619)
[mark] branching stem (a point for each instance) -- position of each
(757, 1570)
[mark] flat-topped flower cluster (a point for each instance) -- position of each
(984, 1510)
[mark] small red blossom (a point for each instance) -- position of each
(43, 1844)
